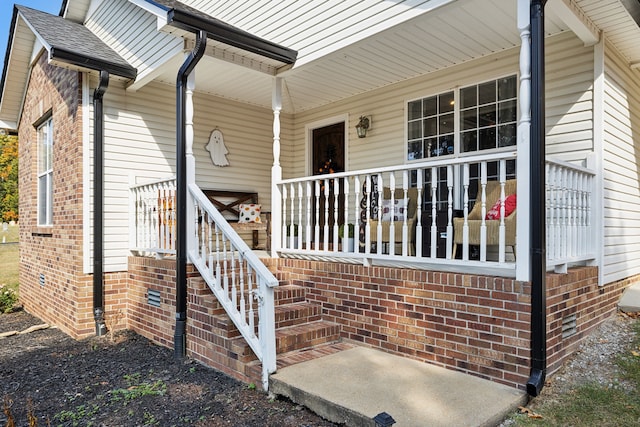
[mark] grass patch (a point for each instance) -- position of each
(594, 404)
(138, 389)
(11, 235)
(9, 268)
(9, 258)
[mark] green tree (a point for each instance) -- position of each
(8, 177)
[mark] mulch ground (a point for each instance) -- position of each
(125, 382)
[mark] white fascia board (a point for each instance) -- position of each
(8, 125)
(39, 40)
(160, 13)
(571, 14)
(10, 66)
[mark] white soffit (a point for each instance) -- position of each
(574, 17)
(427, 39)
(618, 23)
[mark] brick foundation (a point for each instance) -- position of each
(474, 324)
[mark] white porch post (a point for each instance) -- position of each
(523, 269)
(190, 161)
(276, 170)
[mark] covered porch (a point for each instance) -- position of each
(452, 212)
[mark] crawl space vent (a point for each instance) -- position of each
(569, 326)
(153, 297)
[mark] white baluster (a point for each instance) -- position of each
(336, 195)
(449, 210)
(434, 212)
(317, 224)
(405, 228)
(294, 222)
(285, 225)
(465, 210)
(483, 220)
(308, 227)
(346, 227)
(356, 220)
(392, 226)
(419, 173)
(502, 234)
(250, 293)
(367, 226)
(379, 228)
(300, 215)
(241, 284)
(325, 222)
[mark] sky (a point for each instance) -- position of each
(6, 12)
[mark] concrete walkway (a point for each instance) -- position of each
(630, 300)
(355, 385)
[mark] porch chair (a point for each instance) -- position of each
(474, 219)
(412, 217)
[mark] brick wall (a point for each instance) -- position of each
(475, 324)
(577, 294)
(210, 334)
(52, 284)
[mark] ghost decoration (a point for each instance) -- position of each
(217, 149)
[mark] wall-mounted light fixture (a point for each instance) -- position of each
(364, 124)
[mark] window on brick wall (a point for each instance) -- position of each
(45, 171)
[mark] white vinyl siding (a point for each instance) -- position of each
(621, 166)
(569, 99)
(140, 141)
(132, 33)
(569, 106)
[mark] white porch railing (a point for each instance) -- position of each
(443, 193)
(570, 237)
(434, 192)
(240, 281)
(152, 226)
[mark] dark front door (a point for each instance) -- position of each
(328, 149)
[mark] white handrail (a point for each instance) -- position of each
(237, 277)
(240, 281)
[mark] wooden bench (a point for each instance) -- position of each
(228, 203)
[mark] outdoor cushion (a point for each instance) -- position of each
(399, 210)
(249, 213)
(509, 207)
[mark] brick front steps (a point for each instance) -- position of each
(301, 334)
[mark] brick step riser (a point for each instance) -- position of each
(283, 294)
(290, 342)
(223, 326)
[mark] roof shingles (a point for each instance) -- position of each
(75, 44)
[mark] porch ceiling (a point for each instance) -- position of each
(431, 36)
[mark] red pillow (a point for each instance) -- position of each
(509, 207)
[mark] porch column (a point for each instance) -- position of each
(190, 161)
(276, 170)
(523, 268)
